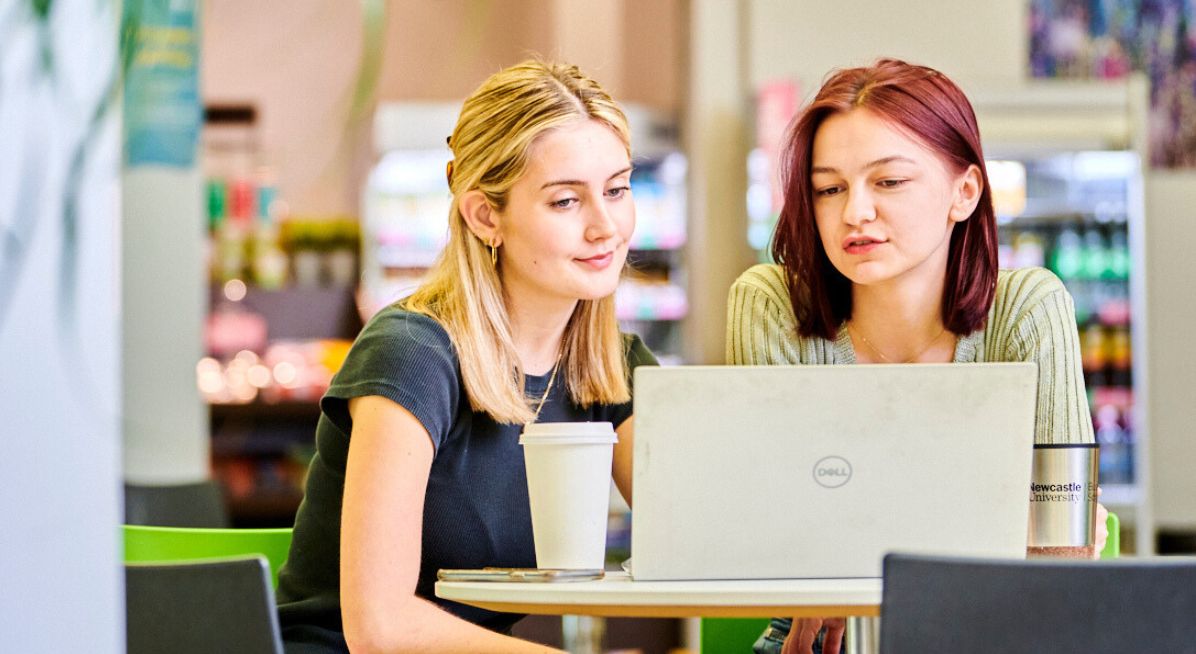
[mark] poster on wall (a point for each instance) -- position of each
(1107, 39)
(162, 112)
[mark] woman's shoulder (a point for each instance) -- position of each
(394, 318)
(1028, 299)
(394, 327)
(1025, 287)
(765, 278)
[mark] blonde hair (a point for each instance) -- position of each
(463, 292)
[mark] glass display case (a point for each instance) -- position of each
(1070, 212)
(1065, 161)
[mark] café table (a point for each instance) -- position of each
(617, 595)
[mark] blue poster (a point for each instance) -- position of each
(162, 110)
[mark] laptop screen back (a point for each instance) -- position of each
(761, 472)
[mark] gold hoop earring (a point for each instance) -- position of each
(494, 253)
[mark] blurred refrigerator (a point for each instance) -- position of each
(1065, 163)
(405, 202)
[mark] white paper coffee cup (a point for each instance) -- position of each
(568, 485)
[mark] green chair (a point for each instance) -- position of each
(736, 635)
(1113, 544)
(161, 544)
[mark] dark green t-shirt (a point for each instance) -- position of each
(476, 510)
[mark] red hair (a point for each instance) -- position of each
(926, 104)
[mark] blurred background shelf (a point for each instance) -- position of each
(298, 411)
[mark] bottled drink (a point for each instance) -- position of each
(1119, 256)
(269, 262)
(1119, 355)
(1093, 354)
(1067, 260)
(1095, 256)
(1113, 444)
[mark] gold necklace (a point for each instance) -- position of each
(547, 390)
(886, 359)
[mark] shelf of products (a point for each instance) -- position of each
(266, 370)
(282, 315)
(652, 299)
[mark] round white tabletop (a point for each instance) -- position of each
(617, 595)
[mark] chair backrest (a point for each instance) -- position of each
(1060, 606)
(179, 505)
(199, 607)
(727, 635)
(160, 544)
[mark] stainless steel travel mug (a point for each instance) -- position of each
(1063, 486)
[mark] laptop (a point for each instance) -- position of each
(776, 472)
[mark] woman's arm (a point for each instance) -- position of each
(761, 329)
(390, 457)
(1044, 332)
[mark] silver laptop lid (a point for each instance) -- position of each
(759, 472)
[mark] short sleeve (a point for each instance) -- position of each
(1045, 333)
(407, 358)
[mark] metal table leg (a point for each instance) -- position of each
(583, 634)
(863, 635)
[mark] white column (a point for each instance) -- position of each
(163, 306)
(715, 132)
(1171, 349)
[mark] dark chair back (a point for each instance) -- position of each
(200, 607)
(200, 504)
(995, 607)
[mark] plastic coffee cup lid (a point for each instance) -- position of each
(568, 433)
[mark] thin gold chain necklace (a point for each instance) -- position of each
(547, 390)
(886, 359)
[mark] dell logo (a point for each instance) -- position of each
(832, 471)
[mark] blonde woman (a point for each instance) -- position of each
(417, 463)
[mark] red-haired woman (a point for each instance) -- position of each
(887, 253)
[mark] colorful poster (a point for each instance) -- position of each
(1107, 39)
(162, 110)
